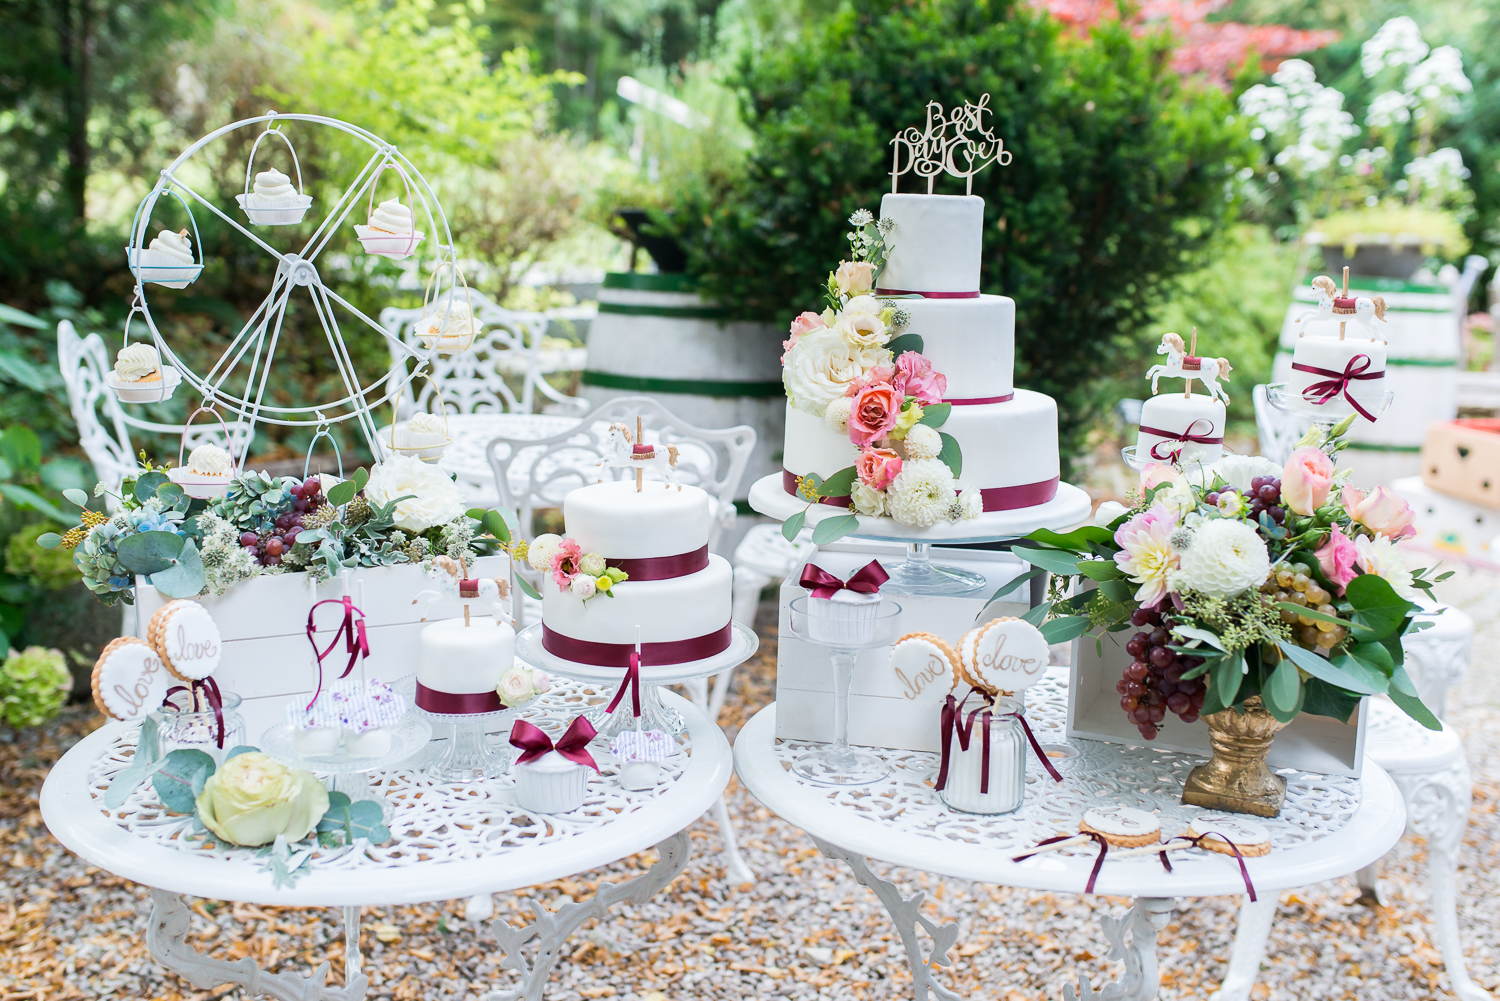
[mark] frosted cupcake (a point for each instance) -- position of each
(390, 232)
(176, 246)
(274, 201)
(138, 375)
(207, 473)
(449, 327)
(168, 261)
(424, 436)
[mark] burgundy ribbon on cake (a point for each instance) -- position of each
(1197, 842)
(1319, 393)
(355, 641)
(927, 295)
(457, 703)
(1021, 495)
(1098, 862)
(211, 695)
(866, 580)
(981, 400)
(632, 681)
(789, 484)
(953, 719)
(618, 654)
(1182, 438)
(574, 745)
(663, 567)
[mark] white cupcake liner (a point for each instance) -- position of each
(280, 215)
(830, 621)
(419, 444)
(389, 245)
(550, 786)
(145, 392)
(161, 268)
(200, 485)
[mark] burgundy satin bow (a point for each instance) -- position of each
(1098, 862)
(211, 695)
(574, 745)
(355, 641)
(1187, 435)
(867, 579)
(1319, 393)
(1197, 842)
(953, 720)
(632, 681)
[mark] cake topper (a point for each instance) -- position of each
(631, 452)
(454, 584)
(955, 142)
(1182, 364)
(1332, 303)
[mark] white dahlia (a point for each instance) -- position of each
(539, 554)
(837, 414)
(822, 364)
(1227, 558)
(921, 494)
(922, 442)
(867, 500)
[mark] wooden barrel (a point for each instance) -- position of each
(655, 335)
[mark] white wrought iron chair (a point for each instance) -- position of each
(532, 474)
(1278, 430)
(83, 362)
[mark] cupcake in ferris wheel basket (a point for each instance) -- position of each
(391, 232)
(451, 327)
(274, 201)
(641, 753)
(842, 611)
(140, 377)
(552, 778)
(361, 714)
(208, 472)
(168, 261)
(424, 436)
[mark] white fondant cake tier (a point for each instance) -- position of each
(1334, 355)
(1199, 415)
(971, 341)
(936, 244)
(620, 523)
(677, 608)
(1003, 444)
(464, 660)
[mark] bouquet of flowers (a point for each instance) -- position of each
(1256, 580)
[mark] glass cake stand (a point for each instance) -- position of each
(468, 756)
(1284, 398)
(351, 775)
(1138, 461)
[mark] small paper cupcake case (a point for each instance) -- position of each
(550, 784)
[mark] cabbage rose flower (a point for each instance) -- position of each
(252, 798)
(1381, 511)
(916, 377)
(1146, 554)
(821, 366)
(854, 277)
(875, 412)
(1307, 480)
(432, 498)
(877, 467)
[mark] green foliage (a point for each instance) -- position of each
(1117, 187)
(34, 684)
(47, 569)
(180, 778)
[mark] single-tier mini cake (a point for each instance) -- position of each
(459, 665)
(1181, 429)
(1339, 374)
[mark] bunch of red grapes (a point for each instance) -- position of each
(268, 547)
(1264, 495)
(1153, 684)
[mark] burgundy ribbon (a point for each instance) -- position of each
(618, 654)
(980, 400)
(1098, 862)
(789, 484)
(1021, 495)
(457, 703)
(211, 695)
(1319, 393)
(356, 643)
(866, 580)
(663, 567)
(1197, 842)
(632, 681)
(1182, 438)
(952, 719)
(927, 295)
(574, 744)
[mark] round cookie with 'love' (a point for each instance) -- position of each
(1122, 826)
(926, 668)
(1218, 832)
(130, 679)
(187, 638)
(1005, 655)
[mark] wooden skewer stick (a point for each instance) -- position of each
(1187, 386)
(1077, 839)
(1345, 295)
(1151, 849)
(466, 614)
(639, 473)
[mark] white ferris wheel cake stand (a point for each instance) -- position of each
(236, 384)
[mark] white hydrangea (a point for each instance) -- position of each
(1439, 80)
(837, 414)
(921, 494)
(922, 442)
(541, 550)
(1227, 558)
(1393, 107)
(867, 500)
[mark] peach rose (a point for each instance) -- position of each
(1380, 510)
(801, 325)
(1306, 480)
(854, 277)
(876, 409)
(877, 467)
(1157, 473)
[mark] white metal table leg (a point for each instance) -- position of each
(1142, 977)
(353, 964)
(1250, 935)
(738, 872)
(1368, 879)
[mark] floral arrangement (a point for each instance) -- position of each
(585, 574)
(399, 511)
(852, 366)
(1257, 580)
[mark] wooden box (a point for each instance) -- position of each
(1462, 459)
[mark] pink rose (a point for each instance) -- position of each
(876, 375)
(916, 377)
(876, 408)
(1157, 473)
(1337, 556)
(1381, 511)
(565, 562)
(1306, 480)
(801, 325)
(877, 467)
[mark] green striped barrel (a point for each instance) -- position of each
(1423, 330)
(655, 335)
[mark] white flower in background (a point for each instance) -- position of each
(1270, 106)
(539, 554)
(821, 365)
(584, 586)
(1440, 174)
(1398, 43)
(435, 501)
(1439, 80)
(921, 493)
(1380, 557)
(1392, 107)
(922, 442)
(1239, 470)
(837, 414)
(1107, 512)
(1311, 117)
(1227, 558)
(867, 500)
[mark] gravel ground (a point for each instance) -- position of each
(805, 930)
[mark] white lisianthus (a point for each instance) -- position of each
(862, 305)
(539, 554)
(1227, 558)
(584, 586)
(822, 364)
(1108, 512)
(864, 330)
(837, 414)
(921, 494)
(1239, 470)
(431, 497)
(867, 500)
(1380, 557)
(922, 442)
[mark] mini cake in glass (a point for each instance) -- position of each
(641, 753)
(360, 716)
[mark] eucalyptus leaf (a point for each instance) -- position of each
(935, 415)
(951, 455)
(49, 540)
(342, 492)
(184, 578)
(239, 749)
(1117, 591)
(1340, 673)
(1077, 540)
(1194, 633)
(180, 778)
(147, 483)
(1404, 694)
(1036, 616)
(494, 523)
(793, 525)
(361, 477)
(148, 553)
(170, 493)
(147, 750)
(1064, 628)
(1283, 688)
(527, 588)
(1016, 582)
(839, 484)
(1100, 570)
(1227, 675)
(832, 529)
(1053, 560)
(79, 497)
(1312, 613)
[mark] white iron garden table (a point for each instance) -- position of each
(449, 841)
(1330, 826)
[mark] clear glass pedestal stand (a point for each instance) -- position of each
(469, 756)
(827, 625)
(1286, 399)
(655, 715)
(351, 775)
(919, 575)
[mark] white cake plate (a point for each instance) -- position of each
(918, 575)
(654, 714)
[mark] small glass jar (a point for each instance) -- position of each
(199, 728)
(1006, 789)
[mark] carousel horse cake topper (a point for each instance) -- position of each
(955, 142)
(631, 452)
(1341, 306)
(1182, 364)
(454, 584)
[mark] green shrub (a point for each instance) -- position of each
(48, 569)
(34, 684)
(1119, 181)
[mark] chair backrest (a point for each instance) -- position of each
(1279, 431)
(532, 474)
(473, 381)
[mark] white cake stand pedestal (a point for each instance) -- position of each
(655, 715)
(1284, 398)
(1070, 507)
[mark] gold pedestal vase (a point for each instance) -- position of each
(1237, 779)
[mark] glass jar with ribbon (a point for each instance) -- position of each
(201, 718)
(983, 765)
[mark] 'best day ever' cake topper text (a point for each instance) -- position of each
(956, 142)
